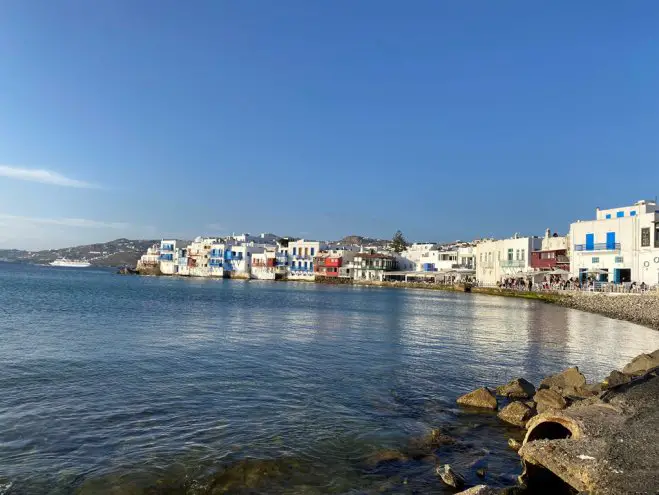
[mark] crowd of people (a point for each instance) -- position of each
(556, 282)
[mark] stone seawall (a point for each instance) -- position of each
(637, 308)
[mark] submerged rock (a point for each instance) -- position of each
(641, 364)
(482, 398)
(548, 399)
(420, 447)
(519, 388)
(516, 413)
(568, 382)
(450, 477)
(386, 455)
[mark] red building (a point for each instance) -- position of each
(326, 265)
(552, 255)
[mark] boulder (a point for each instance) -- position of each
(516, 413)
(482, 397)
(641, 364)
(549, 399)
(519, 388)
(616, 378)
(479, 490)
(514, 444)
(450, 477)
(568, 382)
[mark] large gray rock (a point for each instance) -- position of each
(450, 477)
(548, 399)
(519, 388)
(642, 363)
(482, 398)
(516, 413)
(479, 490)
(568, 382)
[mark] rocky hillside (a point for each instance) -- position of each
(114, 253)
(362, 241)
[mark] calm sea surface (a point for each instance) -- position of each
(112, 384)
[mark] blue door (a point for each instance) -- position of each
(616, 275)
(610, 240)
(590, 242)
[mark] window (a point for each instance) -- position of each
(620, 214)
(517, 254)
(523, 254)
(510, 255)
(608, 216)
(618, 259)
(632, 214)
(645, 237)
(294, 251)
(312, 251)
(595, 259)
(656, 238)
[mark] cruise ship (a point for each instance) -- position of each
(71, 263)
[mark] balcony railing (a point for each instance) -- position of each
(598, 246)
(512, 263)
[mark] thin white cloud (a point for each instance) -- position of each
(43, 176)
(65, 222)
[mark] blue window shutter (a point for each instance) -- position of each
(608, 216)
(610, 240)
(620, 214)
(590, 242)
(633, 214)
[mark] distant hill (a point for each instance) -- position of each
(363, 241)
(114, 253)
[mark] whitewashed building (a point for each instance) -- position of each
(301, 254)
(264, 265)
(619, 245)
(504, 258)
(372, 266)
(169, 251)
(150, 259)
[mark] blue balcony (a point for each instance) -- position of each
(166, 257)
(216, 262)
(598, 246)
(167, 247)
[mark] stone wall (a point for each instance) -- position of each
(642, 309)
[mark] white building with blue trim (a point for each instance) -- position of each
(620, 245)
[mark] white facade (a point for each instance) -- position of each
(466, 257)
(301, 254)
(620, 245)
(499, 259)
(263, 265)
(198, 254)
(168, 257)
(151, 259)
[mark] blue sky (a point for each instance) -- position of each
(321, 119)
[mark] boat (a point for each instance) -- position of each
(70, 263)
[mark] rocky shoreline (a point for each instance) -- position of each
(591, 438)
